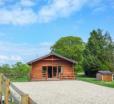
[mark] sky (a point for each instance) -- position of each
(28, 28)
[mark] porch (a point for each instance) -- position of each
(51, 72)
(55, 73)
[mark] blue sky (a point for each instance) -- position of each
(28, 28)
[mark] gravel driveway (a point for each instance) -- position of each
(67, 92)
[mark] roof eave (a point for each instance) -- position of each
(52, 53)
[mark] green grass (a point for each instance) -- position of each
(82, 77)
(20, 79)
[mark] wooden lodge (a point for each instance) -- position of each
(104, 76)
(52, 67)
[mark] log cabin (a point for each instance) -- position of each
(52, 67)
(104, 76)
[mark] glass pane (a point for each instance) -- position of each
(49, 71)
(54, 71)
(44, 69)
(59, 69)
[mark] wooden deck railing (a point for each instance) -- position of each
(63, 77)
(6, 87)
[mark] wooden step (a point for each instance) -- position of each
(67, 76)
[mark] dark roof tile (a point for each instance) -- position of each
(105, 72)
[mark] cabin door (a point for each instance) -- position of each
(49, 71)
(55, 72)
(52, 72)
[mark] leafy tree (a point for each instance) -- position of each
(98, 54)
(70, 47)
(5, 68)
(17, 70)
(108, 52)
(21, 69)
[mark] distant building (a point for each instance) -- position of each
(104, 75)
(52, 67)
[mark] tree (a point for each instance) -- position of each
(70, 47)
(5, 68)
(108, 52)
(98, 53)
(21, 69)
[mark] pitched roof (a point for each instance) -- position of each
(52, 53)
(105, 72)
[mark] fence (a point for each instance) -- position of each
(6, 93)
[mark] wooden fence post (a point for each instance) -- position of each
(1, 78)
(7, 91)
(24, 99)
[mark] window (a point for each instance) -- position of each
(54, 71)
(113, 76)
(59, 69)
(44, 69)
(62, 70)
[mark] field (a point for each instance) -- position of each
(82, 77)
(19, 79)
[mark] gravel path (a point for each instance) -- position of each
(67, 92)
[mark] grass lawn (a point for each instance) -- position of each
(20, 79)
(82, 77)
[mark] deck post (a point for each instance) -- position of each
(52, 66)
(24, 99)
(57, 73)
(1, 77)
(46, 72)
(74, 74)
(7, 91)
(52, 71)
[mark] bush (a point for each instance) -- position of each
(18, 70)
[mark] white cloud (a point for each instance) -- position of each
(18, 16)
(59, 8)
(13, 52)
(22, 12)
(17, 12)
(3, 57)
(9, 59)
(27, 3)
(99, 9)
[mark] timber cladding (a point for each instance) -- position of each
(104, 75)
(107, 77)
(52, 67)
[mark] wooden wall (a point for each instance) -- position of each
(36, 71)
(104, 77)
(107, 77)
